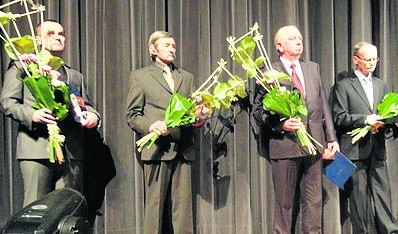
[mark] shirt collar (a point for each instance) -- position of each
(362, 77)
(172, 66)
(288, 63)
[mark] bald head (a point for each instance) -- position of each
(289, 42)
(51, 35)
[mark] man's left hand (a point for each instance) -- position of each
(333, 146)
(90, 120)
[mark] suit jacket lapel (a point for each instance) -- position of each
(307, 79)
(157, 74)
(278, 65)
(356, 84)
(377, 91)
(177, 79)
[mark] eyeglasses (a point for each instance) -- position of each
(370, 60)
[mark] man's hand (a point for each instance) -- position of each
(90, 119)
(159, 127)
(292, 124)
(43, 116)
(333, 146)
(374, 120)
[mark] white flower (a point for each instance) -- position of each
(55, 74)
(57, 83)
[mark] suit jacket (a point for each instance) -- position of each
(350, 108)
(32, 138)
(319, 121)
(147, 100)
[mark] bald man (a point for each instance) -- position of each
(39, 175)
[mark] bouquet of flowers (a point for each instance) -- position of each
(40, 70)
(194, 110)
(387, 108)
(277, 99)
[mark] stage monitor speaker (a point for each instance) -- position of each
(62, 211)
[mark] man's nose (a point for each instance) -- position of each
(56, 36)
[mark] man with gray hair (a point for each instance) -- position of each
(291, 164)
(167, 164)
(354, 105)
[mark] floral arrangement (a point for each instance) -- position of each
(387, 108)
(277, 99)
(195, 109)
(198, 107)
(40, 72)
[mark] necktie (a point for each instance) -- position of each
(296, 80)
(368, 87)
(169, 78)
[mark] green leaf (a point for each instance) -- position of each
(207, 99)
(220, 91)
(56, 62)
(24, 45)
(225, 104)
(238, 86)
(248, 44)
(4, 18)
(40, 89)
(47, 58)
(178, 107)
(259, 61)
(33, 68)
(287, 104)
(250, 69)
(43, 93)
(388, 108)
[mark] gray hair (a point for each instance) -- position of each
(359, 46)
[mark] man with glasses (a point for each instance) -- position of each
(354, 105)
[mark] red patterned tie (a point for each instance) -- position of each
(296, 80)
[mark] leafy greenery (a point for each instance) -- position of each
(4, 18)
(23, 45)
(387, 109)
(277, 100)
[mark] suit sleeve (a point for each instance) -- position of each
(77, 79)
(12, 98)
(135, 104)
(86, 100)
(330, 133)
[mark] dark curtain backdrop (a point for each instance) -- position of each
(232, 182)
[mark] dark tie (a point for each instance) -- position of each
(296, 80)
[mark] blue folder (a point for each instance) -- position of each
(339, 170)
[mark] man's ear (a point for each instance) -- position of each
(355, 60)
(152, 50)
(38, 38)
(278, 46)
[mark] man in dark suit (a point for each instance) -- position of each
(39, 175)
(355, 100)
(167, 164)
(289, 162)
